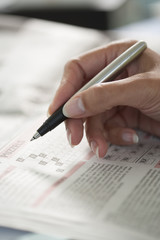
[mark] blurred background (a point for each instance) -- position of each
(37, 38)
(97, 14)
(33, 51)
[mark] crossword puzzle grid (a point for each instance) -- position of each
(142, 153)
(42, 159)
(52, 153)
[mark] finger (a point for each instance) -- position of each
(96, 136)
(79, 71)
(74, 128)
(127, 117)
(100, 132)
(121, 124)
(149, 125)
(137, 91)
(122, 136)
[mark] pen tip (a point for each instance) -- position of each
(36, 135)
(32, 139)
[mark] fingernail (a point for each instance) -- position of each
(130, 137)
(48, 114)
(135, 138)
(97, 153)
(74, 107)
(95, 148)
(49, 110)
(69, 137)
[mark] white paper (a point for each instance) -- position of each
(45, 185)
(48, 183)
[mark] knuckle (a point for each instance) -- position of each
(70, 64)
(93, 99)
(74, 73)
(73, 65)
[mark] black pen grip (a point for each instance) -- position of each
(52, 122)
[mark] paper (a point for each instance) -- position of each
(51, 188)
(45, 185)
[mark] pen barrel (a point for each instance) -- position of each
(107, 74)
(52, 122)
(116, 66)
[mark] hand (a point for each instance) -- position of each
(111, 111)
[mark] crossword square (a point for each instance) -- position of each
(143, 160)
(32, 155)
(140, 145)
(43, 155)
(108, 157)
(59, 164)
(59, 170)
(125, 159)
(116, 149)
(157, 147)
(133, 152)
(151, 153)
(20, 159)
(55, 159)
(42, 162)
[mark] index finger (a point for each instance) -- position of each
(80, 70)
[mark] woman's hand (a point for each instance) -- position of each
(112, 111)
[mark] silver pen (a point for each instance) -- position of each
(107, 74)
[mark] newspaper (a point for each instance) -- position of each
(48, 187)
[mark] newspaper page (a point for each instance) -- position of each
(49, 187)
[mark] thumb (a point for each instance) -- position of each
(134, 91)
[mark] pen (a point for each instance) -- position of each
(107, 74)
